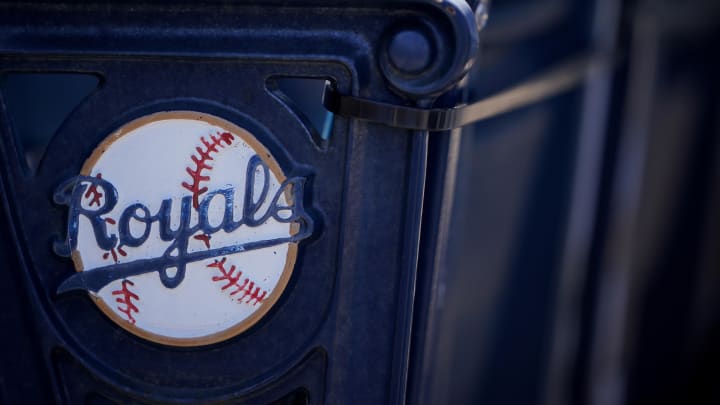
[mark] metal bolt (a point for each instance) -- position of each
(410, 52)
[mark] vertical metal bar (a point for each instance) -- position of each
(415, 197)
(430, 386)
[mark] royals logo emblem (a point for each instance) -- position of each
(183, 228)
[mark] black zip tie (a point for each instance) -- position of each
(548, 84)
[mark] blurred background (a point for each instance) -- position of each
(580, 259)
(583, 255)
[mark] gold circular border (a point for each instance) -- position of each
(265, 155)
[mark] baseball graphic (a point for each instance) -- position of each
(183, 228)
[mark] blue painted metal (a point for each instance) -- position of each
(481, 265)
(341, 331)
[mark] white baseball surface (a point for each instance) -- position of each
(147, 165)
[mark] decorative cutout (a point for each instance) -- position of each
(38, 103)
(302, 96)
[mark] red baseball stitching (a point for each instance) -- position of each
(114, 253)
(95, 196)
(126, 297)
(248, 288)
(201, 163)
(116, 250)
(93, 192)
(205, 238)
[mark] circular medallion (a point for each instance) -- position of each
(183, 228)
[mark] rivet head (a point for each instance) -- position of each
(410, 52)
